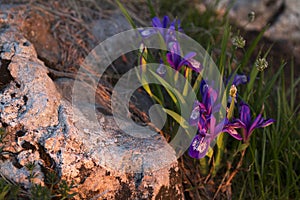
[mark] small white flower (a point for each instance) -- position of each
(238, 41)
(261, 64)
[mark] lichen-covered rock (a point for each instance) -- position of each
(41, 129)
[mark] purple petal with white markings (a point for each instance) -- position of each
(195, 115)
(199, 146)
(233, 133)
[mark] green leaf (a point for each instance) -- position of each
(270, 84)
(4, 192)
(171, 91)
(253, 76)
(151, 8)
(126, 14)
(178, 118)
(210, 152)
(226, 36)
(196, 85)
(242, 147)
(187, 82)
(253, 45)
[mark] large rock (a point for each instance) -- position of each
(104, 163)
(282, 16)
(287, 25)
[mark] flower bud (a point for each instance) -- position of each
(233, 91)
(251, 16)
(261, 64)
(238, 41)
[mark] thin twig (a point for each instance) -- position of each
(221, 184)
(237, 168)
(232, 175)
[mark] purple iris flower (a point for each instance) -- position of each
(165, 27)
(224, 126)
(176, 61)
(208, 129)
(201, 142)
(247, 125)
(238, 79)
(202, 111)
(166, 24)
(199, 145)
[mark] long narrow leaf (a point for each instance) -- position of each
(126, 14)
(178, 118)
(151, 8)
(171, 91)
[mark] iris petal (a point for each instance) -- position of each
(165, 22)
(156, 22)
(189, 55)
(254, 125)
(233, 133)
(170, 60)
(240, 79)
(195, 65)
(199, 146)
(266, 123)
(195, 115)
(245, 114)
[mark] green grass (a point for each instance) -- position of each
(274, 157)
(274, 153)
(271, 167)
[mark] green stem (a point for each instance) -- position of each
(204, 166)
(221, 141)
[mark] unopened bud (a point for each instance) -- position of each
(251, 16)
(233, 91)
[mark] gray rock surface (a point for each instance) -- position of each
(41, 128)
(287, 25)
(109, 26)
(283, 16)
